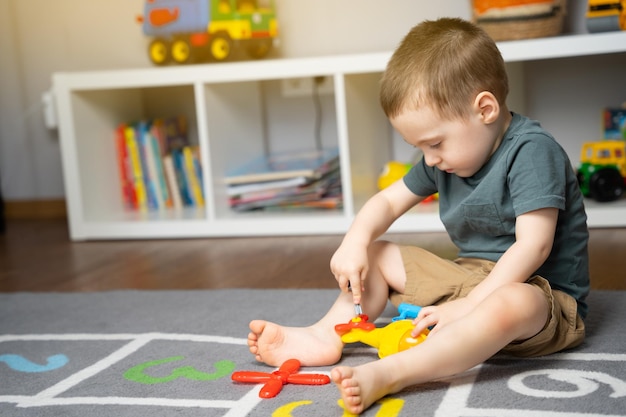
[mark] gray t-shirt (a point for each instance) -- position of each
(528, 171)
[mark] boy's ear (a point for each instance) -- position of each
(487, 107)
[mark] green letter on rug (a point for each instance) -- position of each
(136, 373)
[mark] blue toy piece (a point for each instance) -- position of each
(407, 311)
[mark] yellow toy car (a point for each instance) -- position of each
(606, 15)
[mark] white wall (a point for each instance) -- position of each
(38, 38)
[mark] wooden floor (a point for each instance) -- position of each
(38, 256)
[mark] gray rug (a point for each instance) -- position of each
(122, 354)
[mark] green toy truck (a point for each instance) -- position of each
(185, 31)
(602, 171)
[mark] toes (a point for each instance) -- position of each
(335, 375)
(341, 375)
(257, 326)
(352, 390)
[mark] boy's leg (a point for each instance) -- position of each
(319, 344)
(513, 312)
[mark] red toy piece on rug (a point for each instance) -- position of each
(274, 381)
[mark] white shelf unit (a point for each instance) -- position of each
(235, 109)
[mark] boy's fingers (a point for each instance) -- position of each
(356, 290)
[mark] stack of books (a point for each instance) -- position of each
(158, 168)
(308, 179)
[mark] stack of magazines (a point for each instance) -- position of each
(308, 179)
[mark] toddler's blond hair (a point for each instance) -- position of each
(443, 64)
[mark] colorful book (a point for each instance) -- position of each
(172, 181)
(322, 203)
(142, 136)
(158, 131)
(311, 164)
(152, 176)
(242, 189)
(181, 179)
(125, 169)
(175, 133)
(135, 160)
(155, 154)
(310, 192)
(193, 181)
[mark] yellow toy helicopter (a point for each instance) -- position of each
(392, 338)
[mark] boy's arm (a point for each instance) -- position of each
(349, 264)
(534, 234)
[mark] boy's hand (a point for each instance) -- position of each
(440, 315)
(349, 265)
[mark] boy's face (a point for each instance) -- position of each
(459, 147)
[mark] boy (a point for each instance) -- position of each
(509, 200)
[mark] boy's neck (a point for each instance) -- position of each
(505, 119)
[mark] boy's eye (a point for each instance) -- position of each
(435, 145)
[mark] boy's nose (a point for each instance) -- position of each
(431, 160)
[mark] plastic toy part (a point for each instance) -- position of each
(602, 170)
(191, 31)
(392, 172)
(393, 338)
(274, 381)
(606, 15)
(407, 311)
(359, 322)
(395, 170)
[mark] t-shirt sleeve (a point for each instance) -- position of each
(421, 179)
(538, 176)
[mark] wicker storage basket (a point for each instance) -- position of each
(524, 26)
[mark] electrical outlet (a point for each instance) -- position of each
(49, 110)
(303, 87)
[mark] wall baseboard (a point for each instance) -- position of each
(35, 209)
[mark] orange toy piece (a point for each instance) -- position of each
(274, 381)
(162, 17)
(393, 338)
(481, 6)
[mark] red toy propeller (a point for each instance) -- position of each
(274, 381)
(358, 322)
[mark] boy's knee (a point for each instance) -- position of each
(516, 305)
(386, 261)
(380, 250)
(379, 246)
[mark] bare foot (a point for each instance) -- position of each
(274, 344)
(360, 387)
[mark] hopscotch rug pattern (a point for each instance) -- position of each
(165, 353)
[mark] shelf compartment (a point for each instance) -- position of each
(97, 113)
(248, 119)
(370, 143)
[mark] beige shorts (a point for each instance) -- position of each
(431, 280)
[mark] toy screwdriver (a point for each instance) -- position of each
(357, 307)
